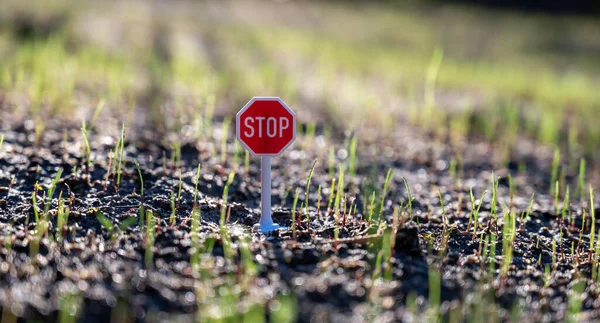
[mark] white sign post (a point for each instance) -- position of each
(266, 223)
(266, 126)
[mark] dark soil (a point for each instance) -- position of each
(331, 280)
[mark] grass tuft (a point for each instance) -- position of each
(352, 166)
(509, 232)
(410, 199)
(62, 218)
(593, 225)
(225, 196)
(306, 190)
(372, 207)
(173, 217)
(388, 177)
(331, 162)
(581, 179)
(494, 209)
(225, 136)
(294, 212)
(106, 223)
(137, 166)
(196, 186)
(69, 307)
(247, 162)
(554, 176)
(331, 195)
(36, 213)
(575, 301)
(84, 134)
(338, 198)
(51, 191)
(121, 145)
(195, 233)
(150, 238)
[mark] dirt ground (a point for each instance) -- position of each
(330, 279)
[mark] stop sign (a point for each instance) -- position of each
(266, 126)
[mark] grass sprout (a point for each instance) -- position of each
(87, 148)
(509, 232)
(554, 176)
(445, 232)
(526, 215)
(41, 229)
(246, 161)
(331, 195)
(51, 190)
(435, 292)
(294, 212)
(319, 199)
(97, 111)
(106, 223)
(386, 254)
(195, 230)
(372, 207)
(379, 212)
(581, 179)
(175, 160)
(127, 223)
(331, 162)
(249, 266)
(62, 217)
(338, 198)
(492, 253)
(195, 238)
(149, 239)
(286, 313)
(566, 205)
(494, 210)
(225, 135)
(237, 149)
(472, 198)
(36, 213)
(121, 144)
(225, 196)
(179, 189)
(554, 253)
(70, 306)
(352, 166)
(209, 110)
(575, 301)
(137, 166)
(173, 217)
(410, 198)
(196, 186)
(593, 225)
(306, 191)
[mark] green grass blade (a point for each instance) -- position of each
(105, 222)
(306, 191)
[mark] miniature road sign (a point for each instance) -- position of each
(266, 126)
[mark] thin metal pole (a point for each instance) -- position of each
(265, 197)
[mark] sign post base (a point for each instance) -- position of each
(269, 228)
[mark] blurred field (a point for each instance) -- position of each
(498, 74)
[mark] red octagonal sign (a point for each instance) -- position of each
(266, 126)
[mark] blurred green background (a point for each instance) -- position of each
(457, 70)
